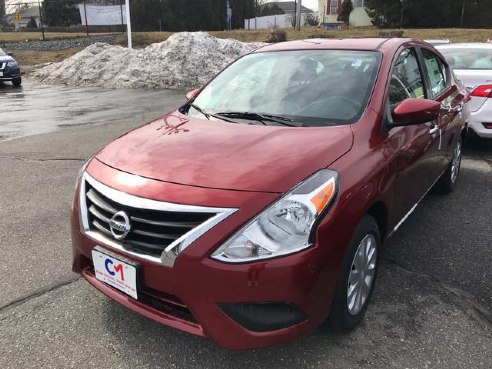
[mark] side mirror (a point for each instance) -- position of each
(415, 111)
(10, 53)
(191, 94)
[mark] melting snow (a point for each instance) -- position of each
(184, 60)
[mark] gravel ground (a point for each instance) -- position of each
(55, 45)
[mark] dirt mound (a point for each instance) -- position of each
(185, 60)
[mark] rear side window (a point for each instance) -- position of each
(406, 80)
(436, 71)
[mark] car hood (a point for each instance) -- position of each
(215, 154)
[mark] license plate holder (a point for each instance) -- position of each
(116, 271)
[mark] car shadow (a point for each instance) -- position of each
(7, 87)
(477, 146)
(396, 314)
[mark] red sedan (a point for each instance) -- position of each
(258, 209)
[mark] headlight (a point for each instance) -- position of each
(82, 170)
(286, 225)
(12, 64)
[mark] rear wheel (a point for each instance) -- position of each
(357, 277)
(17, 82)
(448, 180)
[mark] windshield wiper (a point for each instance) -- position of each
(198, 109)
(259, 117)
(208, 115)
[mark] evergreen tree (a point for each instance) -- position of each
(31, 23)
(58, 13)
(347, 8)
(422, 13)
(273, 9)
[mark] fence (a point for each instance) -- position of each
(58, 16)
(278, 21)
(147, 15)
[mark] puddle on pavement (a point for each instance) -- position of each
(36, 108)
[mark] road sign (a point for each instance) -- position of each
(18, 16)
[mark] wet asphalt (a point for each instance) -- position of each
(34, 108)
(432, 306)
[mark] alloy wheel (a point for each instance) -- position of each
(456, 163)
(362, 273)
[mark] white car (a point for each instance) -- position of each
(436, 42)
(472, 63)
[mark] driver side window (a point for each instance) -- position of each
(406, 80)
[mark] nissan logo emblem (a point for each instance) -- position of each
(120, 225)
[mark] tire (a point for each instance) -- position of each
(448, 180)
(347, 311)
(17, 82)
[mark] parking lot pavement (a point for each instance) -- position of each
(431, 308)
(37, 173)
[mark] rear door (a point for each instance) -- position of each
(441, 87)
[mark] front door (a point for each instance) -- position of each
(415, 145)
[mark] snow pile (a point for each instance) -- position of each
(184, 60)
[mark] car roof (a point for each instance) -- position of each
(466, 45)
(369, 44)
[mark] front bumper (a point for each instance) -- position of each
(9, 74)
(211, 299)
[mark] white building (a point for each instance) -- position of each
(329, 10)
(25, 17)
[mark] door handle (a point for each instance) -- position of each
(433, 129)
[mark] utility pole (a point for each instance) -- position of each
(128, 23)
(160, 15)
(401, 14)
(41, 21)
(2, 11)
(462, 14)
(121, 14)
(298, 15)
(256, 12)
(86, 24)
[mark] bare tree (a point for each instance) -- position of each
(2, 11)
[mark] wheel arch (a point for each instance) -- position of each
(379, 212)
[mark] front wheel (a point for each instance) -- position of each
(448, 180)
(17, 82)
(357, 277)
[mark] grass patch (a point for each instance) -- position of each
(143, 39)
(31, 57)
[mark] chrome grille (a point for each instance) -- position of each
(151, 230)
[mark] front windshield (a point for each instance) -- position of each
(2, 53)
(468, 58)
(309, 87)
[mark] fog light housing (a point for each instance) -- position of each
(264, 316)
